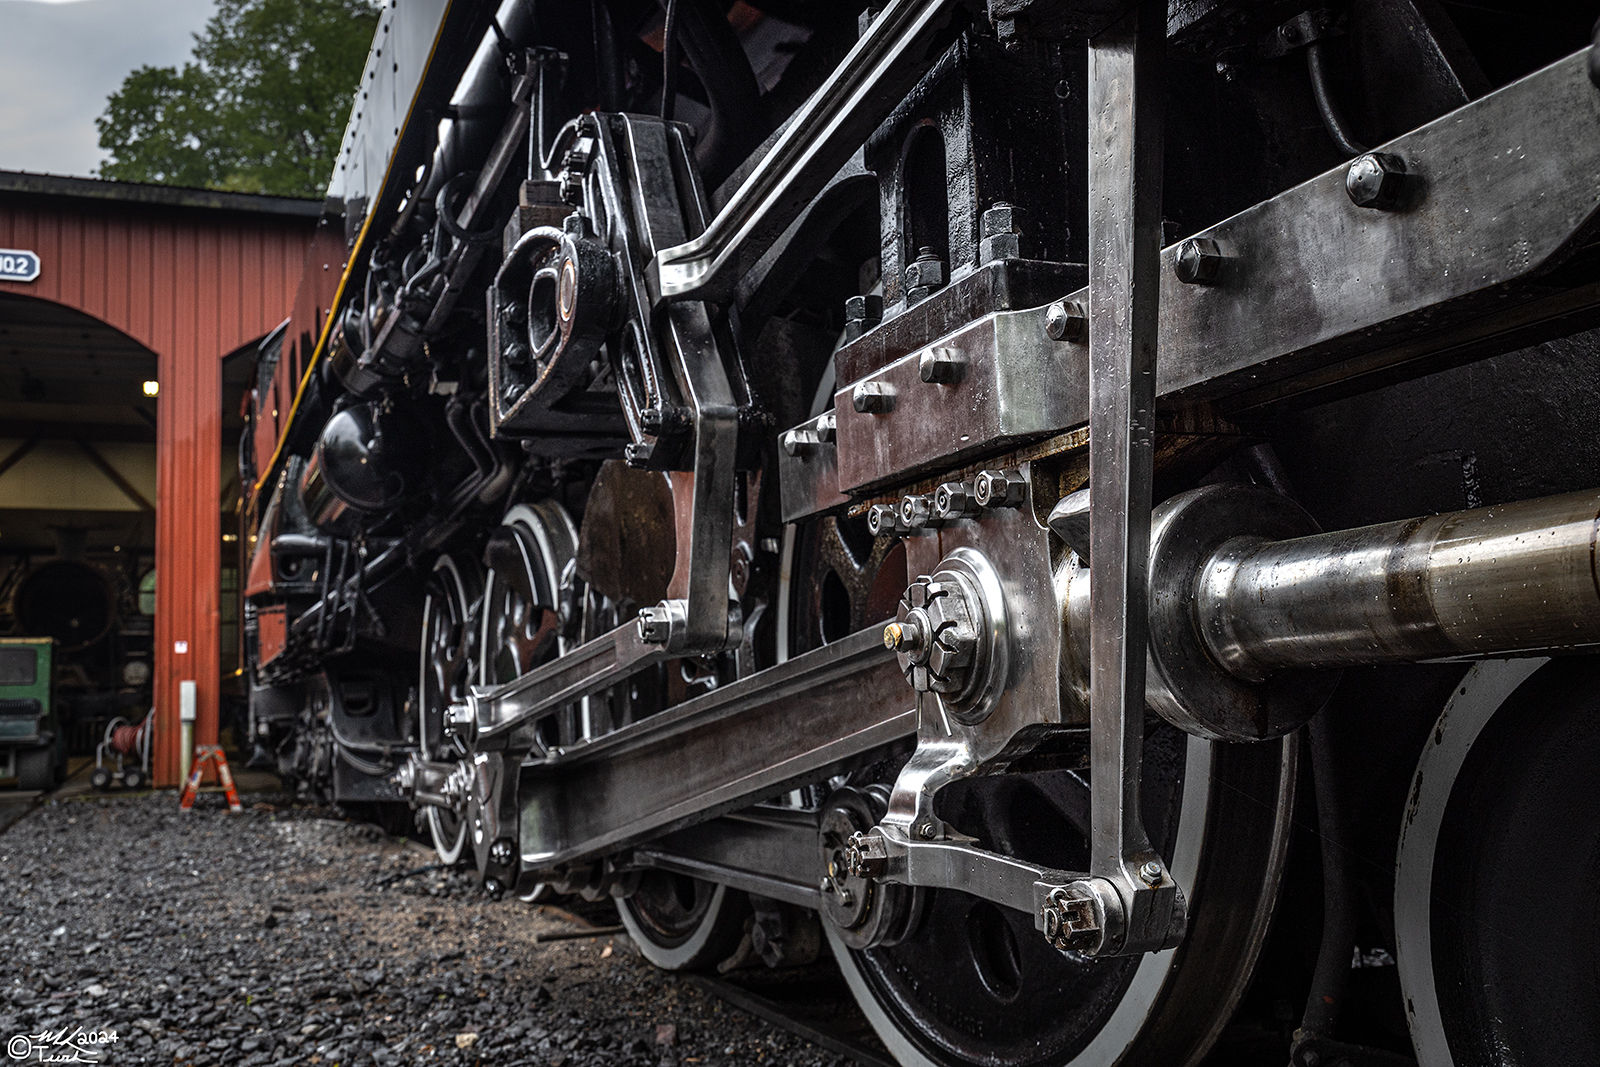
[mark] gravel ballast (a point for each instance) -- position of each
(270, 937)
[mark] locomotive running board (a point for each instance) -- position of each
(814, 715)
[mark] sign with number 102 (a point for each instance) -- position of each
(17, 265)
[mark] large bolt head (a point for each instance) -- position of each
(1376, 180)
(1066, 320)
(872, 398)
(941, 366)
(865, 308)
(925, 272)
(1199, 261)
(1003, 218)
(797, 442)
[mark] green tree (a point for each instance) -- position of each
(261, 108)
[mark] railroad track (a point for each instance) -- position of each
(818, 1008)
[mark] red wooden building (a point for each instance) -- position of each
(180, 278)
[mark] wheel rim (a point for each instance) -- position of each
(682, 923)
(1505, 786)
(448, 667)
(521, 618)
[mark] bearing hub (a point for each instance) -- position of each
(865, 913)
(934, 636)
(949, 633)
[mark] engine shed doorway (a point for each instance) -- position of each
(123, 364)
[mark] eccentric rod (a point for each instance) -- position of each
(1518, 578)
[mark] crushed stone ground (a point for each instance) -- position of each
(266, 939)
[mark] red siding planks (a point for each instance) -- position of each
(192, 285)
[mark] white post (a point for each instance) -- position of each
(186, 712)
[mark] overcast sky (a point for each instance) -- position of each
(60, 60)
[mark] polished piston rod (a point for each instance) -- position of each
(1518, 578)
(1252, 610)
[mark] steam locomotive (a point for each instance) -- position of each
(1085, 508)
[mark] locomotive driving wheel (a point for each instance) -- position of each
(974, 983)
(1492, 975)
(522, 597)
(965, 981)
(448, 667)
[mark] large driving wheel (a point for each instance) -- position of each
(522, 626)
(968, 982)
(682, 923)
(1497, 886)
(975, 983)
(522, 594)
(448, 667)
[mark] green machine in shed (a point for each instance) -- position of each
(31, 750)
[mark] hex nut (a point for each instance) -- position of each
(1003, 218)
(941, 366)
(883, 520)
(861, 313)
(955, 500)
(865, 856)
(916, 511)
(1069, 921)
(936, 636)
(1000, 246)
(872, 398)
(1376, 180)
(653, 626)
(864, 308)
(1198, 262)
(923, 275)
(1000, 489)
(1066, 320)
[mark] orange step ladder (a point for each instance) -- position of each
(204, 754)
